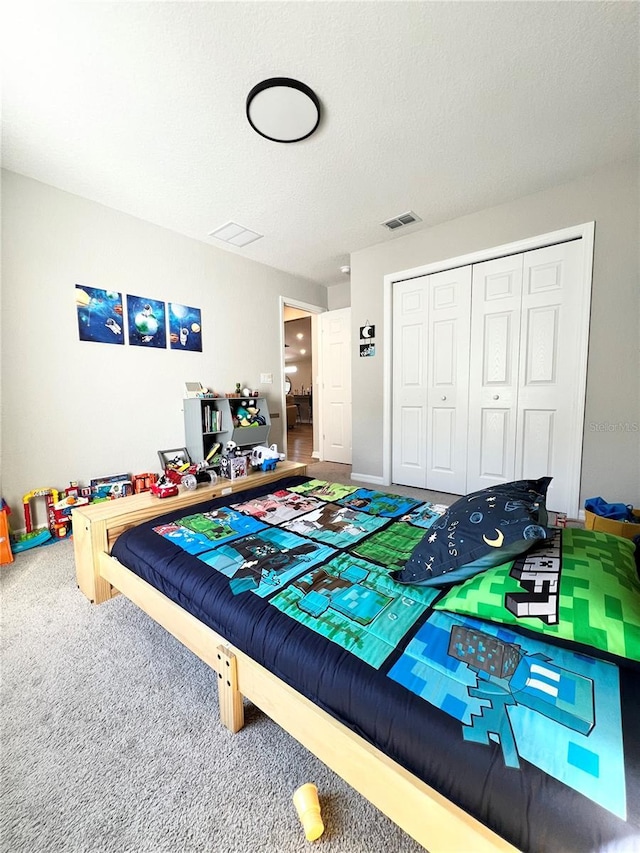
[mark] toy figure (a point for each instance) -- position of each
(242, 416)
(255, 416)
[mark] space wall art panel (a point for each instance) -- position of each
(99, 315)
(102, 318)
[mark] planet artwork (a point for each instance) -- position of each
(147, 322)
(99, 315)
(185, 327)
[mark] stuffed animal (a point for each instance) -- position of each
(255, 416)
(242, 416)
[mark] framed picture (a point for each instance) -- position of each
(175, 458)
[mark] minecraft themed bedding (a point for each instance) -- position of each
(536, 736)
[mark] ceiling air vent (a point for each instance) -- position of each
(404, 219)
(235, 235)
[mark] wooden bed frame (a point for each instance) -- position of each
(433, 821)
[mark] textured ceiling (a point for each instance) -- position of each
(438, 107)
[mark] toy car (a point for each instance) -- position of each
(164, 489)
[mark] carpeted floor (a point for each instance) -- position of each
(111, 739)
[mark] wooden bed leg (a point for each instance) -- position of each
(230, 698)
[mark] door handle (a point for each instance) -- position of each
(496, 396)
(444, 397)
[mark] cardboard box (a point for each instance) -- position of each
(233, 467)
(627, 529)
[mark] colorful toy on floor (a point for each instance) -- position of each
(305, 799)
(60, 514)
(50, 495)
(25, 541)
(6, 554)
(31, 538)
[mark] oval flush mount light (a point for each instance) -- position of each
(283, 110)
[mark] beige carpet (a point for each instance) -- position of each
(111, 740)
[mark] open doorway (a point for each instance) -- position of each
(300, 355)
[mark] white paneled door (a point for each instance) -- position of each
(335, 361)
(493, 371)
(430, 380)
(549, 427)
(409, 379)
(447, 396)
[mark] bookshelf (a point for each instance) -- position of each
(209, 421)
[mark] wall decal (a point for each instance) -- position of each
(99, 315)
(185, 327)
(147, 325)
(367, 331)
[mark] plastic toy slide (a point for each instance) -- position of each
(31, 541)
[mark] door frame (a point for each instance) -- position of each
(314, 310)
(584, 232)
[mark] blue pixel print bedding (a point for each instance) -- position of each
(538, 740)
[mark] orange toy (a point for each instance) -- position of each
(6, 555)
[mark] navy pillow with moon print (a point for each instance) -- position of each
(480, 531)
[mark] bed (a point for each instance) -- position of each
(471, 732)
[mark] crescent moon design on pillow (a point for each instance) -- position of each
(497, 542)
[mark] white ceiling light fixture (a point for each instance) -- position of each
(290, 368)
(283, 110)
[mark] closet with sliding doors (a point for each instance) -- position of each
(489, 369)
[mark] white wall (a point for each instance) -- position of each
(611, 450)
(72, 410)
(339, 296)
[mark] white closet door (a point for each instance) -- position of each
(448, 322)
(548, 432)
(493, 376)
(409, 377)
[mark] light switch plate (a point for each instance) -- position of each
(266, 378)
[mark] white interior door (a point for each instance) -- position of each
(335, 366)
(448, 323)
(409, 378)
(548, 422)
(493, 373)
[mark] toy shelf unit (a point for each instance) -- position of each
(210, 421)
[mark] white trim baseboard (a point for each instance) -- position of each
(368, 478)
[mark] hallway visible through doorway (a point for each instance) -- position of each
(300, 443)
